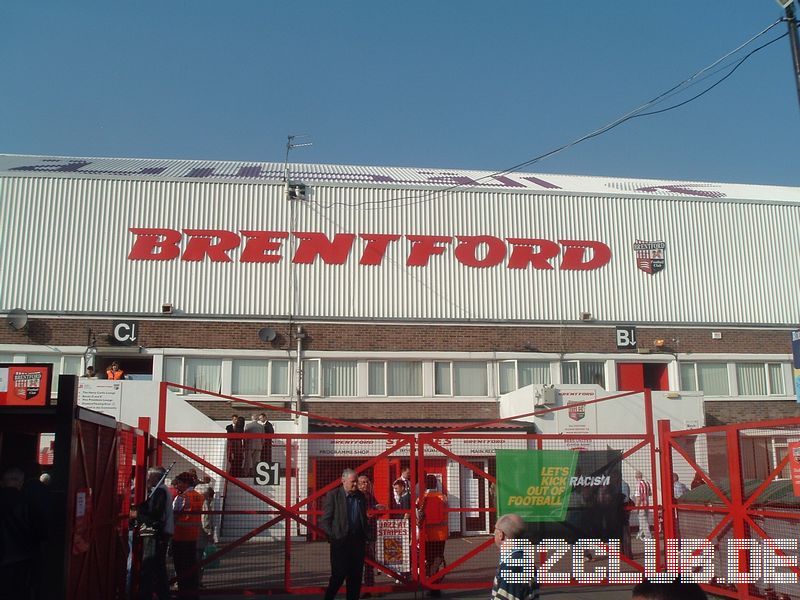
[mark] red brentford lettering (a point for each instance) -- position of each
(476, 251)
(260, 246)
(213, 243)
(313, 245)
(575, 251)
(155, 244)
(469, 245)
(375, 250)
(425, 246)
(532, 251)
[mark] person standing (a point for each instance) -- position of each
(641, 498)
(434, 530)
(512, 560)
(344, 521)
(115, 372)
(155, 526)
(401, 499)
(209, 537)
(22, 530)
(253, 446)
(188, 508)
(235, 446)
(266, 448)
(365, 487)
(678, 487)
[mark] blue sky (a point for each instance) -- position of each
(447, 84)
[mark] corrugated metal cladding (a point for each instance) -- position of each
(66, 240)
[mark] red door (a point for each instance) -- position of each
(630, 376)
(637, 376)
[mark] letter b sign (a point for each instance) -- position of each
(626, 338)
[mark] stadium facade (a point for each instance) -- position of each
(400, 295)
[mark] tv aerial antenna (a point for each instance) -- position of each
(293, 191)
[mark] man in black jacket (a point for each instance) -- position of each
(344, 520)
(156, 525)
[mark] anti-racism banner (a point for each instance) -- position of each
(563, 493)
(393, 544)
(25, 385)
(535, 483)
(796, 363)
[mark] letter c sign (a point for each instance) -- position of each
(126, 333)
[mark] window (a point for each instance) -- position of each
(260, 377)
(330, 377)
(760, 379)
(515, 374)
(709, 378)
(173, 370)
(200, 373)
(279, 377)
(583, 372)
(461, 379)
(395, 378)
(62, 365)
(311, 377)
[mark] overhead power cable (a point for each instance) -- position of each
(714, 68)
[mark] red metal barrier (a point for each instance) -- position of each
(102, 476)
(269, 540)
(740, 489)
(472, 564)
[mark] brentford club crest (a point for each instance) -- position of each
(26, 385)
(650, 256)
(576, 413)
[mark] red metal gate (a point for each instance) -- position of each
(266, 516)
(470, 556)
(106, 459)
(739, 487)
(268, 537)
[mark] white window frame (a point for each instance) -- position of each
(578, 362)
(385, 364)
(767, 378)
(319, 362)
(224, 368)
(731, 376)
(317, 392)
(269, 364)
(58, 364)
(487, 366)
(515, 362)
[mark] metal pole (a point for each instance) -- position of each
(795, 44)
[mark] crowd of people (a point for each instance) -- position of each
(181, 522)
(244, 453)
(114, 372)
(349, 522)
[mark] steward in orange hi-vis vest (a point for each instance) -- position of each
(187, 509)
(188, 515)
(432, 515)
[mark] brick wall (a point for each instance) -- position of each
(732, 411)
(184, 333)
